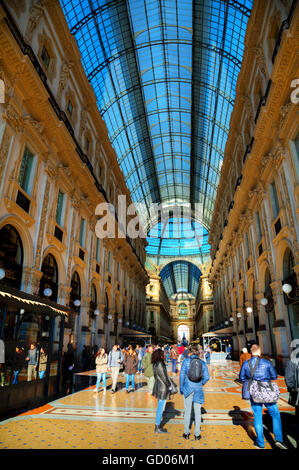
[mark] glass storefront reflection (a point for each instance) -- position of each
(31, 340)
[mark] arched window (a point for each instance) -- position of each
(288, 263)
(76, 289)
(11, 256)
(49, 279)
(183, 310)
(93, 297)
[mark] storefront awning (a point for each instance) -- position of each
(36, 304)
(223, 332)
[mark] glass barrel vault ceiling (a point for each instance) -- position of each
(180, 277)
(164, 73)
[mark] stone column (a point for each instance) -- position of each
(282, 336)
(262, 333)
(250, 322)
(235, 337)
(36, 276)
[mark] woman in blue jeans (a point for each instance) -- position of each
(101, 359)
(265, 372)
(162, 387)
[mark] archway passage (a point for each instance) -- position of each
(183, 334)
(49, 278)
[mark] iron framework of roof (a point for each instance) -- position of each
(164, 73)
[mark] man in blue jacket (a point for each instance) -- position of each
(265, 372)
(193, 393)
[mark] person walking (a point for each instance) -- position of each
(194, 374)
(140, 356)
(148, 368)
(18, 364)
(32, 359)
(115, 359)
(162, 386)
(208, 355)
(101, 360)
(244, 356)
(68, 364)
(174, 354)
(180, 351)
(262, 370)
(43, 359)
(131, 363)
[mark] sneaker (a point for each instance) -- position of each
(186, 436)
(280, 445)
(197, 438)
(258, 446)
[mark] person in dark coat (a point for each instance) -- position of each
(162, 386)
(131, 364)
(68, 364)
(18, 363)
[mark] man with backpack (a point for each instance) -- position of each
(194, 374)
(256, 373)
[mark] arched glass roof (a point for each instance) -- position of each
(164, 73)
(180, 277)
(177, 237)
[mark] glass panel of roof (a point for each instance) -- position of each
(164, 73)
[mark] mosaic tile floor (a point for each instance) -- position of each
(85, 420)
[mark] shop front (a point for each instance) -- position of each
(31, 331)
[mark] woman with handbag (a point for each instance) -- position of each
(163, 387)
(256, 373)
(194, 374)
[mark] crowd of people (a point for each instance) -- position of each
(192, 364)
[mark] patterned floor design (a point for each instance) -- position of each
(85, 420)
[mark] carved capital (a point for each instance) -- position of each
(13, 118)
(36, 12)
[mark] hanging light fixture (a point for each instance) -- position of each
(264, 301)
(249, 310)
(109, 317)
(287, 288)
(231, 318)
(96, 312)
(48, 292)
(2, 274)
(77, 303)
(239, 315)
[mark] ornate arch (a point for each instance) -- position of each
(18, 224)
(279, 255)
